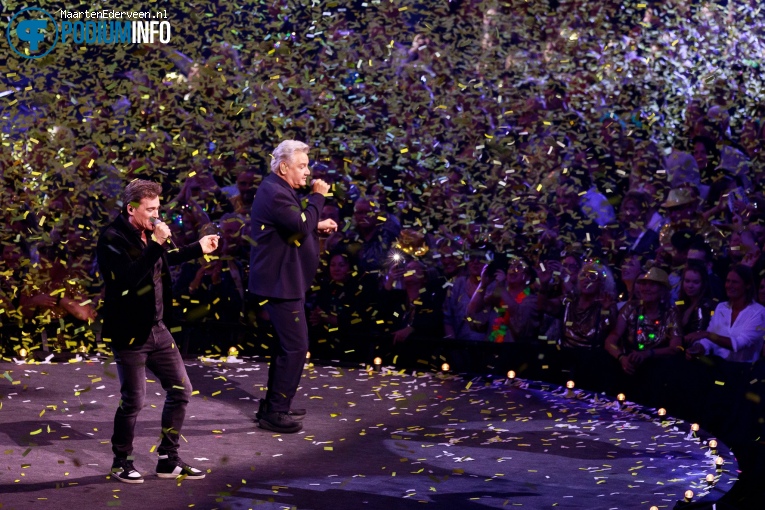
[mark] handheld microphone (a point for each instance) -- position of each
(154, 221)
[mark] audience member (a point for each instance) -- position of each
(737, 327)
(646, 327)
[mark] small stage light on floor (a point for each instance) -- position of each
(231, 356)
(21, 354)
(719, 461)
(688, 496)
(710, 479)
(377, 363)
(713, 446)
(654, 508)
(661, 413)
(620, 398)
(694, 430)
(445, 367)
(511, 375)
(570, 389)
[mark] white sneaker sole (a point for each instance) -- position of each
(168, 476)
(127, 480)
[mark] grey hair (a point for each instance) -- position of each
(284, 152)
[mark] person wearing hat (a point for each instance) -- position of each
(682, 206)
(681, 203)
(647, 326)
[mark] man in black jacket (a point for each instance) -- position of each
(283, 262)
(134, 262)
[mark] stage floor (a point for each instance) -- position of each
(387, 440)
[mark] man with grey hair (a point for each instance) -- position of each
(134, 261)
(283, 262)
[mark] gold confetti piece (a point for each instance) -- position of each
(34, 433)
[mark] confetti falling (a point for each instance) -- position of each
(378, 434)
(416, 91)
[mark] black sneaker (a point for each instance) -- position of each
(295, 414)
(279, 422)
(176, 468)
(123, 470)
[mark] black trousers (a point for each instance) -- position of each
(291, 346)
(159, 354)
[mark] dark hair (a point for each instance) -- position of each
(697, 267)
(343, 252)
(709, 145)
(138, 190)
(699, 244)
(578, 177)
(747, 275)
(682, 240)
(640, 198)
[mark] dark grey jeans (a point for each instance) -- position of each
(159, 354)
(291, 346)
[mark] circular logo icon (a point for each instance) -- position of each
(32, 32)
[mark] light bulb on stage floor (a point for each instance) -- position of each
(570, 389)
(445, 367)
(377, 363)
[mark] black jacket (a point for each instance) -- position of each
(127, 266)
(285, 244)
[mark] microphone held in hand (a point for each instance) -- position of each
(156, 221)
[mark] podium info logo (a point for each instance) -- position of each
(33, 32)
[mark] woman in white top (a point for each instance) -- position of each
(737, 328)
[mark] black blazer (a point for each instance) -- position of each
(285, 244)
(127, 266)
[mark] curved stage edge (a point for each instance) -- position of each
(387, 439)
